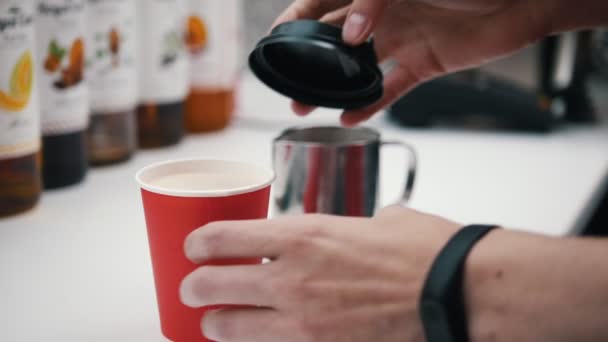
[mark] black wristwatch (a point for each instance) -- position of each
(442, 307)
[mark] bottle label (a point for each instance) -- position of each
(19, 108)
(213, 39)
(163, 62)
(60, 29)
(111, 69)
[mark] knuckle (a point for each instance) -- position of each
(307, 238)
(315, 5)
(308, 329)
(281, 286)
(295, 291)
(316, 227)
(300, 244)
(288, 288)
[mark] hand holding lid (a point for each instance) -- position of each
(429, 38)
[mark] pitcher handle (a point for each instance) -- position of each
(411, 168)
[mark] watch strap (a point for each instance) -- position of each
(442, 307)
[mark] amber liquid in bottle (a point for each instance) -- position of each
(209, 109)
(20, 184)
(213, 38)
(111, 137)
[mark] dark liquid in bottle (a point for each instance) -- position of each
(111, 137)
(65, 160)
(160, 125)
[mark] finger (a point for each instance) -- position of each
(235, 239)
(309, 9)
(337, 17)
(247, 239)
(227, 285)
(302, 109)
(363, 17)
(399, 81)
(252, 325)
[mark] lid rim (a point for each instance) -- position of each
(309, 28)
(315, 33)
(259, 59)
(348, 102)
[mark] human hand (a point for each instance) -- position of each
(427, 38)
(330, 279)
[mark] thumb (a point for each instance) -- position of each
(362, 19)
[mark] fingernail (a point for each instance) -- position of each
(208, 327)
(188, 247)
(187, 294)
(301, 109)
(354, 27)
(192, 249)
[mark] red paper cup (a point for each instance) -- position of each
(179, 197)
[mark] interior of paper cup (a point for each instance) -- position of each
(204, 178)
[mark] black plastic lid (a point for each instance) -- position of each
(309, 62)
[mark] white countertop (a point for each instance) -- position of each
(77, 269)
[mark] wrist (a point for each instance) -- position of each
(526, 287)
(483, 275)
(505, 287)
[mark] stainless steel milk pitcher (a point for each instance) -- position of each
(332, 170)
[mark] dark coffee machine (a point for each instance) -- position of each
(564, 63)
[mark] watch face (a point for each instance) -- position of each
(599, 50)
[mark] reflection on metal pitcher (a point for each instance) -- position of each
(331, 170)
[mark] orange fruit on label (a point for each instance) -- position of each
(22, 76)
(20, 85)
(196, 36)
(13, 104)
(77, 55)
(114, 37)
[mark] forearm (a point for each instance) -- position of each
(522, 287)
(568, 15)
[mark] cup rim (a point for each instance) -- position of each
(283, 138)
(269, 179)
